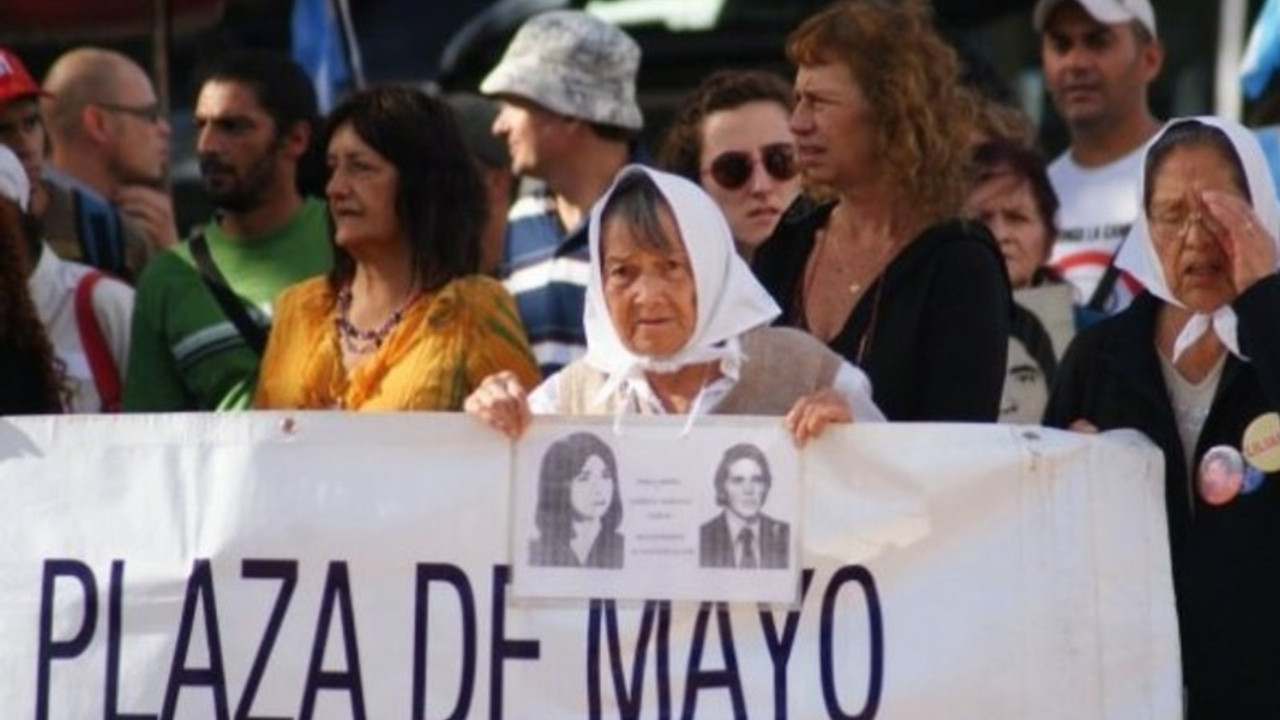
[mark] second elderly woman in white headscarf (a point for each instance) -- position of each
(676, 324)
(1194, 363)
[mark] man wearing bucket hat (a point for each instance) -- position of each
(566, 85)
(1099, 58)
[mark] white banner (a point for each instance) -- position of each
(324, 565)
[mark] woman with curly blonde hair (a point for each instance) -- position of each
(881, 267)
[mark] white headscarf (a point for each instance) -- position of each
(1138, 255)
(730, 301)
(13, 179)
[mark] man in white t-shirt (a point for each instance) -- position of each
(1099, 58)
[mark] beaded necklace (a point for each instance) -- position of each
(360, 342)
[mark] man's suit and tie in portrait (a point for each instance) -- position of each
(741, 536)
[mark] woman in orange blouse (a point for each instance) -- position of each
(402, 322)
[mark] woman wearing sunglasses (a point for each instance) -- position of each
(881, 268)
(731, 137)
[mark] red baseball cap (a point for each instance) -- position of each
(15, 82)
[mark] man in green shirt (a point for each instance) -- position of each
(254, 118)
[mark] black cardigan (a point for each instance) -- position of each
(1226, 559)
(936, 338)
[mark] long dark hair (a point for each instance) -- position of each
(560, 465)
(440, 200)
(32, 378)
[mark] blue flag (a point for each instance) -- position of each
(1262, 56)
(318, 48)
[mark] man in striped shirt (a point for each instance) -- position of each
(566, 85)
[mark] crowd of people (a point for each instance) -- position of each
(876, 240)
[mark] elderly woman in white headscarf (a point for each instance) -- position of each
(677, 324)
(1195, 363)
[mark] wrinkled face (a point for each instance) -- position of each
(361, 191)
(1195, 265)
(650, 295)
(1095, 73)
(138, 135)
(535, 136)
(238, 145)
(22, 131)
(1004, 204)
(591, 490)
(745, 488)
(833, 125)
(756, 137)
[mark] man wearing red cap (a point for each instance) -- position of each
(78, 223)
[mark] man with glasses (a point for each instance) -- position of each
(109, 136)
(568, 113)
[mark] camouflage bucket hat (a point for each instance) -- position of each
(574, 64)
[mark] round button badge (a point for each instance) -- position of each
(1221, 475)
(1261, 442)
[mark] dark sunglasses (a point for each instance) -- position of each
(732, 170)
(146, 113)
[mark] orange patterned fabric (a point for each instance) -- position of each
(446, 343)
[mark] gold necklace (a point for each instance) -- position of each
(842, 264)
(845, 268)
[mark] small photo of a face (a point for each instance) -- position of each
(1221, 475)
(745, 488)
(591, 490)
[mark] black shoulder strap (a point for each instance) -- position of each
(255, 336)
(1098, 301)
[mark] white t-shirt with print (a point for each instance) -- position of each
(1098, 204)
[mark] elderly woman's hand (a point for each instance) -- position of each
(812, 413)
(1251, 250)
(502, 403)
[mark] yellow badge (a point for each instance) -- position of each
(1262, 442)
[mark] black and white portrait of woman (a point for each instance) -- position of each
(579, 507)
(741, 535)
